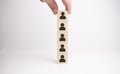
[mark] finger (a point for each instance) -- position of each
(67, 4)
(53, 5)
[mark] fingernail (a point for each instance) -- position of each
(69, 11)
(55, 11)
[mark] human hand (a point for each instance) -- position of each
(54, 7)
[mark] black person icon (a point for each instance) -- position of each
(62, 37)
(62, 58)
(62, 15)
(62, 26)
(62, 49)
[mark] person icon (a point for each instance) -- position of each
(62, 26)
(62, 58)
(62, 15)
(62, 38)
(62, 49)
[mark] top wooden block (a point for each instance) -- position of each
(62, 15)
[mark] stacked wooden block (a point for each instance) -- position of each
(62, 36)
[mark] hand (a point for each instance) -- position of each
(54, 7)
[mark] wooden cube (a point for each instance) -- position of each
(62, 26)
(62, 37)
(62, 58)
(62, 47)
(62, 15)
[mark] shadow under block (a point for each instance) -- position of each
(62, 15)
(62, 58)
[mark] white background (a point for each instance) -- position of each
(28, 35)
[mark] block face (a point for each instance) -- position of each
(62, 37)
(62, 26)
(62, 15)
(62, 58)
(62, 47)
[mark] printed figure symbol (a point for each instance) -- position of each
(62, 49)
(62, 15)
(62, 37)
(62, 26)
(62, 58)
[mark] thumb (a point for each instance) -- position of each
(53, 5)
(67, 4)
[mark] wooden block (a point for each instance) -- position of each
(62, 47)
(62, 58)
(62, 15)
(62, 26)
(62, 37)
